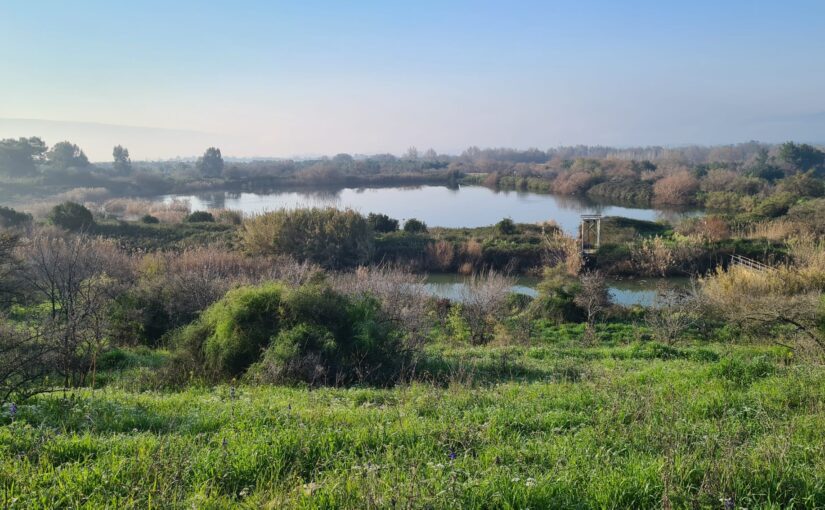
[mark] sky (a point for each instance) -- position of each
(287, 79)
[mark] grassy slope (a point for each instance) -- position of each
(553, 425)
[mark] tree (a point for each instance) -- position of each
(8, 265)
(25, 361)
(802, 157)
(18, 157)
(77, 277)
(382, 223)
(9, 218)
(676, 189)
(506, 227)
(71, 216)
(211, 163)
(122, 164)
(65, 155)
(414, 226)
(592, 297)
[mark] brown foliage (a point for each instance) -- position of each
(676, 189)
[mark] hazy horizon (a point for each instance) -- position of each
(318, 78)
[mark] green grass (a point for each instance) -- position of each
(547, 425)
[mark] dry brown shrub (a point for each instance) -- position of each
(572, 183)
(676, 189)
(441, 255)
(706, 229)
(774, 230)
(465, 268)
(483, 303)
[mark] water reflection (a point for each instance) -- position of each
(468, 206)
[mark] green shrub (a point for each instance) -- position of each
(382, 223)
(506, 227)
(11, 218)
(329, 237)
(200, 217)
(414, 226)
(309, 334)
(149, 219)
(71, 216)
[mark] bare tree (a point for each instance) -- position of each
(25, 360)
(78, 277)
(484, 303)
(673, 312)
(8, 265)
(593, 296)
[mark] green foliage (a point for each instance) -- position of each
(414, 226)
(121, 164)
(802, 157)
(71, 216)
(308, 334)
(506, 227)
(743, 371)
(230, 335)
(9, 218)
(557, 292)
(329, 237)
(65, 155)
(211, 163)
(381, 223)
(148, 219)
(19, 157)
(200, 217)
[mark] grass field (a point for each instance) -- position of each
(551, 425)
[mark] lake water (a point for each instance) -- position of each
(625, 292)
(437, 206)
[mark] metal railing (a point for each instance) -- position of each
(739, 260)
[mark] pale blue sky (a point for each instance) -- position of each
(311, 77)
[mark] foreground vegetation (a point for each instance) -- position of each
(619, 424)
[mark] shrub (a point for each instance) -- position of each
(71, 216)
(382, 223)
(149, 219)
(506, 227)
(309, 334)
(200, 217)
(11, 218)
(676, 189)
(414, 226)
(230, 335)
(330, 237)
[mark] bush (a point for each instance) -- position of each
(230, 335)
(329, 237)
(414, 226)
(506, 227)
(71, 216)
(149, 219)
(11, 218)
(382, 223)
(309, 334)
(200, 217)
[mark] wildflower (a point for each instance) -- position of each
(232, 392)
(530, 482)
(728, 503)
(12, 410)
(516, 479)
(452, 455)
